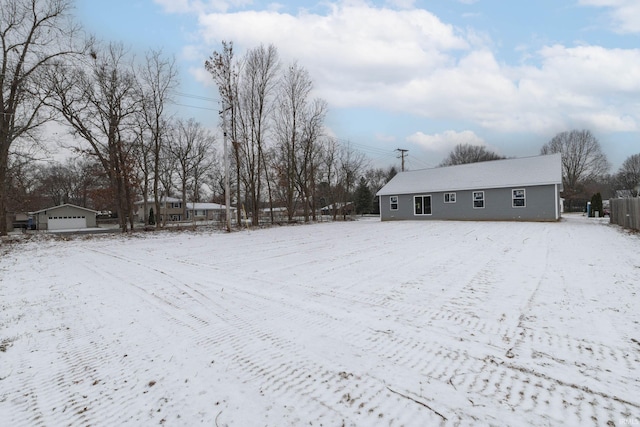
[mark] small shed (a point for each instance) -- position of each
(520, 189)
(65, 217)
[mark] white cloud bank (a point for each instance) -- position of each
(407, 60)
(445, 141)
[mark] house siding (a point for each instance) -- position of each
(541, 204)
(42, 217)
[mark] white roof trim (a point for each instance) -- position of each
(66, 205)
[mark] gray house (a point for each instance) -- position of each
(65, 217)
(524, 189)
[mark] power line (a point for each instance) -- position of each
(194, 106)
(422, 164)
(200, 97)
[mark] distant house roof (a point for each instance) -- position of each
(161, 200)
(520, 172)
(64, 206)
(205, 206)
(338, 205)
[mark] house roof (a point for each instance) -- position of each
(162, 200)
(205, 206)
(520, 172)
(66, 205)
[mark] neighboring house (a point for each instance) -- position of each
(173, 209)
(169, 206)
(524, 189)
(64, 217)
(625, 194)
(206, 212)
(338, 208)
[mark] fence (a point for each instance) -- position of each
(626, 212)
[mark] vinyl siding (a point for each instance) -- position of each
(540, 205)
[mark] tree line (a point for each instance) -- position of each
(585, 168)
(129, 146)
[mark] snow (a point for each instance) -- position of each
(356, 323)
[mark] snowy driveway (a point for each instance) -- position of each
(360, 323)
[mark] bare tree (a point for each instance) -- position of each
(33, 34)
(22, 179)
(156, 78)
(166, 173)
(468, 153)
(254, 97)
(99, 104)
(191, 149)
(299, 127)
(307, 166)
(328, 173)
(67, 182)
(582, 160)
(224, 69)
(351, 163)
(295, 88)
(628, 176)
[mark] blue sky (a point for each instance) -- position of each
(416, 74)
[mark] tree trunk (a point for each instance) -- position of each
(4, 166)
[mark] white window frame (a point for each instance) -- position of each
(518, 194)
(423, 196)
(449, 197)
(474, 199)
(391, 203)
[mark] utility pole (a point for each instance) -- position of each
(402, 151)
(227, 191)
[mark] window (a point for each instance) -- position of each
(393, 202)
(422, 205)
(449, 197)
(518, 198)
(478, 199)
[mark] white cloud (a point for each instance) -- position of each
(409, 61)
(444, 142)
(625, 14)
(203, 76)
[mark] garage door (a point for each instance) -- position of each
(67, 222)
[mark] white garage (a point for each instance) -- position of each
(65, 217)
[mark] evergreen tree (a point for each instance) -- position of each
(363, 197)
(596, 205)
(152, 218)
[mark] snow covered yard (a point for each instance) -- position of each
(360, 323)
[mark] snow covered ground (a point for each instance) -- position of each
(358, 323)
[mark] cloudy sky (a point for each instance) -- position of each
(422, 75)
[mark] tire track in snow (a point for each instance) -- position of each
(498, 382)
(528, 396)
(279, 359)
(394, 333)
(531, 396)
